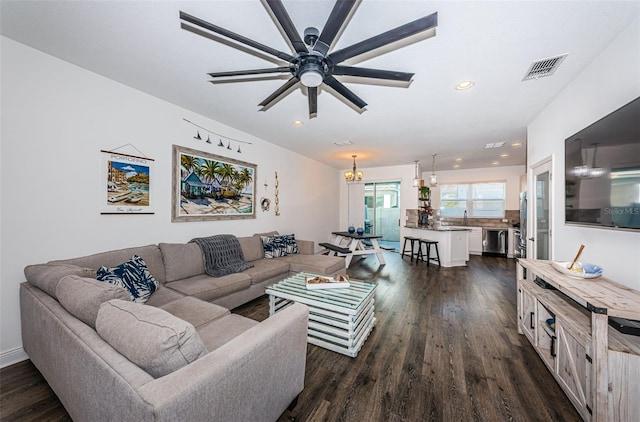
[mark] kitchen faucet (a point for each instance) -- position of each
(465, 222)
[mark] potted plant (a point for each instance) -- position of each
(425, 193)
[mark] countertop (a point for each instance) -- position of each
(440, 228)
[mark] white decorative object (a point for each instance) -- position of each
(577, 271)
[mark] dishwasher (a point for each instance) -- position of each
(494, 241)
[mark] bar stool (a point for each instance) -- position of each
(428, 244)
(413, 241)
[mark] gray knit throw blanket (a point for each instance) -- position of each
(222, 254)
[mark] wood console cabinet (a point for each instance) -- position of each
(566, 321)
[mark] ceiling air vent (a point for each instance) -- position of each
(544, 67)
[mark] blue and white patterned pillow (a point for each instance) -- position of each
(275, 246)
(132, 275)
(290, 243)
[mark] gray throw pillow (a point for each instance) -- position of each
(82, 297)
(150, 337)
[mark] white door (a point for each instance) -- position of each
(539, 241)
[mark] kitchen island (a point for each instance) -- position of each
(453, 242)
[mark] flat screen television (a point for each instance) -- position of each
(602, 172)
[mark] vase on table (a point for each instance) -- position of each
(351, 229)
(360, 230)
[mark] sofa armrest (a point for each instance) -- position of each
(306, 247)
(253, 377)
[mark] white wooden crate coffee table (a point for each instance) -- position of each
(339, 319)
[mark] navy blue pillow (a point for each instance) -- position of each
(132, 275)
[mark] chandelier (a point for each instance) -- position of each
(353, 175)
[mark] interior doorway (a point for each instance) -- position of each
(382, 212)
(540, 241)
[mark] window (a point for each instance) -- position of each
(480, 200)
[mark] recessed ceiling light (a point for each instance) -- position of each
(465, 85)
(516, 144)
(458, 160)
(298, 123)
(455, 166)
(505, 155)
(495, 163)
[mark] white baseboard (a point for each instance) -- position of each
(12, 356)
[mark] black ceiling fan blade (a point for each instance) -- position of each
(345, 92)
(282, 69)
(337, 18)
(281, 15)
(312, 92)
(279, 93)
(372, 73)
(396, 34)
(232, 35)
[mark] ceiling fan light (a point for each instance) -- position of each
(311, 78)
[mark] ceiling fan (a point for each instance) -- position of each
(311, 64)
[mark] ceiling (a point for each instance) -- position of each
(493, 43)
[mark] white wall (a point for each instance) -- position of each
(610, 81)
(510, 174)
(56, 117)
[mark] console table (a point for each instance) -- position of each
(597, 366)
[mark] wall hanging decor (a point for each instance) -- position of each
(276, 208)
(125, 182)
(265, 202)
(211, 187)
(197, 137)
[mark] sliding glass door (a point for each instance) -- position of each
(382, 210)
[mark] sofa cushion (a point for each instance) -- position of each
(162, 296)
(46, 276)
(133, 275)
(150, 253)
(152, 338)
(274, 246)
(82, 297)
(195, 311)
(222, 330)
(265, 269)
(181, 260)
(209, 288)
(316, 264)
(251, 248)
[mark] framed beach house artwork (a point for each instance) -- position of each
(211, 187)
(125, 183)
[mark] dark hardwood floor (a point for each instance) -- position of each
(445, 348)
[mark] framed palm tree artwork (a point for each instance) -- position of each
(211, 187)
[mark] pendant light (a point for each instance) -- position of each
(433, 179)
(417, 180)
(353, 175)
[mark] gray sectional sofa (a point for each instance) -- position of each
(180, 356)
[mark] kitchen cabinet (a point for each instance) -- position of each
(453, 244)
(475, 241)
(566, 322)
(475, 238)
